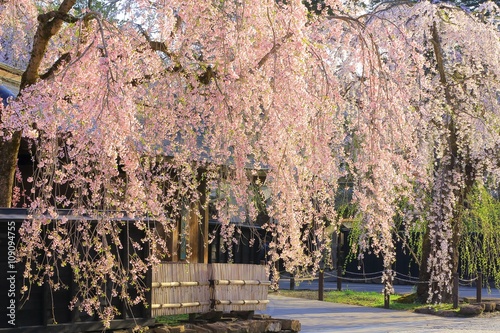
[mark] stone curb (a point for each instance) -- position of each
(266, 325)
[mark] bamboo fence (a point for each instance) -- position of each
(180, 288)
(231, 293)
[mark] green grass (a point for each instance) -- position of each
(172, 320)
(370, 299)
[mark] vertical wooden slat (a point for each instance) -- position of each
(73, 289)
(203, 249)
(124, 238)
(147, 311)
(217, 242)
(46, 303)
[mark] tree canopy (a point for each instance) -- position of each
(129, 110)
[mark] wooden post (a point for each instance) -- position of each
(46, 302)
(125, 240)
(479, 286)
(339, 278)
(147, 313)
(204, 222)
(455, 290)
(73, 290)
(321, 285)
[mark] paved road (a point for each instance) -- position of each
(323, 317)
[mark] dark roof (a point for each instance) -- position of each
(5, 94)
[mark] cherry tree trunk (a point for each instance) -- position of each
(424, 287)
(442, 194)
(424, 274)
(8, 157)
(454, 176)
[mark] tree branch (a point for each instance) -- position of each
(63, 59)
(205, 77)
(274, 49)
(49, 16)
(439, 57)
(49, 25)
(161, 47)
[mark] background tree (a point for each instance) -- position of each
(464, 4)
(458, 99)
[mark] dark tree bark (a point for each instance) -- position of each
(49, 25)
(8, 152)
(453, 162)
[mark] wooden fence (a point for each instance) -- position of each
(239, 287)
(46, 310)
(176, 288)
(179, 288)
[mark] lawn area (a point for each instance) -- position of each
(363, 298)
(172, 320)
